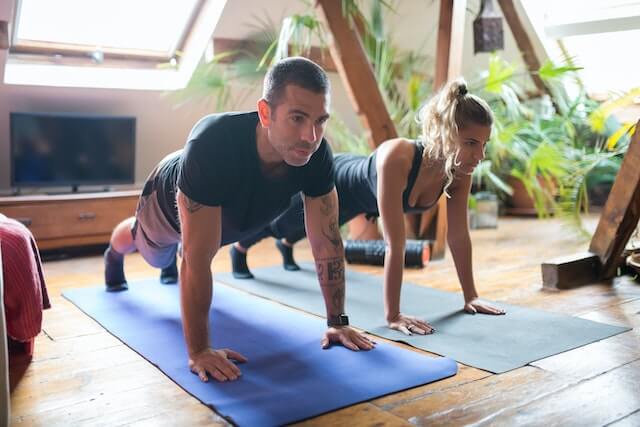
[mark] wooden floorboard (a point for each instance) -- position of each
(81, 375)
(593, 402)
(472, 402)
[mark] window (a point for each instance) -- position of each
(599, 35)
(138, 44)
(143, 28)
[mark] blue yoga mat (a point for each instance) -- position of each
(288, 377)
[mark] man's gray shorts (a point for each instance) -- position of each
(154, 237)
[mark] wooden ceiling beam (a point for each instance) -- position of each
(356, 72)
(524, 42)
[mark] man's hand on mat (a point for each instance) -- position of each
(216, 363)
(410, 325)
(348, 337)
(476, 306)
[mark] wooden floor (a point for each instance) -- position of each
(81, 375)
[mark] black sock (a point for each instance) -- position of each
(239, 264)
(169, 275)
(287, 256)
(114, 270)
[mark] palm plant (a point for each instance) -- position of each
(554, 146)
(526, 137)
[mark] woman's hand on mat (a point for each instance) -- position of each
(410, 325)
(348, 337)
(476, 306)
(216, 363)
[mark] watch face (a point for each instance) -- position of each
(341, 320)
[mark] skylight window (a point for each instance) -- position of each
(126, 44)
(570, 18)
(596, 34)
(606, 58)
(137, 27)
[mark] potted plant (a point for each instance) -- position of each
(545, 147)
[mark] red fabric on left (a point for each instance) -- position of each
(25, 292)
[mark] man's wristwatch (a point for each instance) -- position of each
(339, 320)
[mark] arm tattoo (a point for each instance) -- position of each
(337, 298)
(333, 234)
(330, 271)
(320, 271)
(335, 269)
(331, 278)
(327, 205)
(191, 205)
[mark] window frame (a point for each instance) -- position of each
(74, 54)
(119, 73)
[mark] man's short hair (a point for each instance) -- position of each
(297, 71)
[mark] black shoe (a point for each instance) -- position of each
(239, 264)
(169, 275)
(114, 271)
(288, 262)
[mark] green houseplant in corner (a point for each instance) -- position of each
(548, 146)
(525, 151)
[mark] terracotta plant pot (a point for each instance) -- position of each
(520, 203)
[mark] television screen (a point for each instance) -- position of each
(71, 149)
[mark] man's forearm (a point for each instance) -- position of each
(195, 298)
(328, 252)
(331, 277)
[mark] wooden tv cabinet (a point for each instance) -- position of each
(71, 219)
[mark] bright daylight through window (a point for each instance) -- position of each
(141, 44)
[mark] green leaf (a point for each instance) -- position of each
(377, 27)
(499, 72)
(414, 92)
(549, 71)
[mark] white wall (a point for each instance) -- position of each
(162, 128)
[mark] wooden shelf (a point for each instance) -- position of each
(72, 219)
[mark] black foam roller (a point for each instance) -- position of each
(371, 252)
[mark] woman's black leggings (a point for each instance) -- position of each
(290, 224)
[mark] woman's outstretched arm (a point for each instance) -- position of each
(460, 245)
(393, 165)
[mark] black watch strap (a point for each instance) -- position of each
(339, 320)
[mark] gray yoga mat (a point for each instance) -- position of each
(492, 343)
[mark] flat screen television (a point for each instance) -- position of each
(54, 149)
